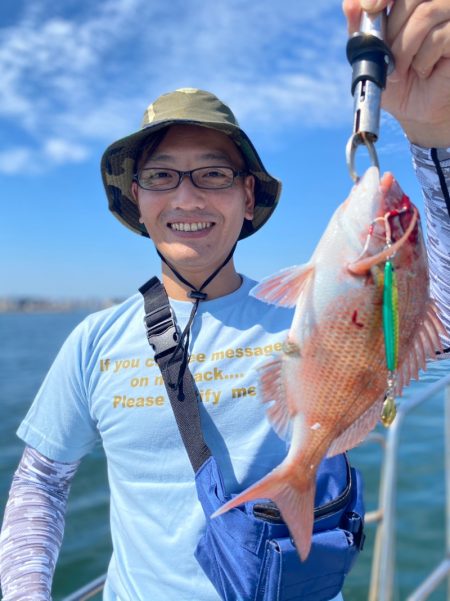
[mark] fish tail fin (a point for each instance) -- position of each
(296, 505)
(265, 488)
(297, 509)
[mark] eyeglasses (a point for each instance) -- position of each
(207, 178)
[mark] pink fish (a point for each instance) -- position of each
(326, 390)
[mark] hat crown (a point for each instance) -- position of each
(189, 104)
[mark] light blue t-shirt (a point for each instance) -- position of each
(104, 383)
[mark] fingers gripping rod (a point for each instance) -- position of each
(371, 61)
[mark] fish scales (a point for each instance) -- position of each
(325, 392)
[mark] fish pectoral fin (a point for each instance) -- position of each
(279, 413)
(424, 346)
(285, 287)
(358, 430)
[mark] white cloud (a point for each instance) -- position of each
(91, 72)
(293, 97)
(54, 151)
(15, 160)
(62, 151)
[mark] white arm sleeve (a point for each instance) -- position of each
(432, 167)
(33, 526)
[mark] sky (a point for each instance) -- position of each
(77, 75)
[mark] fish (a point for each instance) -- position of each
(325, 391)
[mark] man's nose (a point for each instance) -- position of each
(186, 195)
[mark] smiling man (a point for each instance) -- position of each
(191, 180)
(194, 194)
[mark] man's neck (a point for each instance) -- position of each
(226, 282)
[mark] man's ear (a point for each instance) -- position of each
(134, 194)
(249, 190)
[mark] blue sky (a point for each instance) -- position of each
(78, 74)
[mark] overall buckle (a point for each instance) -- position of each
(162, 332)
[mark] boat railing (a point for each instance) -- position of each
(383, 562)
(88, 591)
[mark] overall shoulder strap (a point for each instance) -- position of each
(164, 337)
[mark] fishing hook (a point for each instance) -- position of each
(387, 230)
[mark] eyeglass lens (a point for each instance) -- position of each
(155, 178)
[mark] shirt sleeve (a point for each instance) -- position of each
(33, 526)
(59, 423)
(432, 166)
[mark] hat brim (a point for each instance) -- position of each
(118, 166)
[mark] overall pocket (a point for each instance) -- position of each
(284, 577)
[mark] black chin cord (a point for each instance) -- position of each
(197, 295)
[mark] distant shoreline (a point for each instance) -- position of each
(39, 305)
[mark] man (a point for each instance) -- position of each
(193, 182)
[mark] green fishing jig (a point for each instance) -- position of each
(390, 316)
(391, 335)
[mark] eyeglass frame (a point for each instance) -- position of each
(183, 174)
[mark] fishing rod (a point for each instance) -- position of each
(371, 61)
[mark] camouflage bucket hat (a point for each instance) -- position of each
(191, 107)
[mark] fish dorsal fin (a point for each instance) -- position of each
(424, 346)
(284, 287)
(272, 391)
(358, 430)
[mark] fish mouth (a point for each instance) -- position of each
(362, 266)
(395, 224)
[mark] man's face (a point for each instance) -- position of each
(218, 215)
